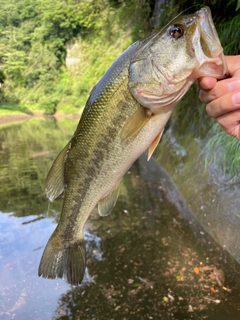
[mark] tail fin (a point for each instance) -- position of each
(63, 260)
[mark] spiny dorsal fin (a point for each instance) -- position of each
(135, 123)
(105, 206)
(154, 144)
(54, 183)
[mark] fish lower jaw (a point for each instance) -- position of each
(211, 67)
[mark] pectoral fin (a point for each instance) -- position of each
(154, 144)
(54, 183)
(105, 206)
(135, 123)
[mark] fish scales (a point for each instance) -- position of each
(98, 162)
(125, 115)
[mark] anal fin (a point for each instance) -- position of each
(154, 144)
(106, 205)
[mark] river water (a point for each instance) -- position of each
(149, 259)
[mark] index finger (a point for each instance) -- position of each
(233, 63)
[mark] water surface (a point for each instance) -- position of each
(149, 259)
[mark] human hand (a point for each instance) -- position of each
(222, 98)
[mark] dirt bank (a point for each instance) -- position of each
(24, 117)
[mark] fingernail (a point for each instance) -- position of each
(236, 98)
(234, 85)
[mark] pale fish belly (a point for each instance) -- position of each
(123, 155)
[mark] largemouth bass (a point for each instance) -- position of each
(124, 115)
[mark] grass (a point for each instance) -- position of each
(6, 110)
(223, 150)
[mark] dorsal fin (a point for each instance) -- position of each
(54, 184)
(105, 206)
(135, 123)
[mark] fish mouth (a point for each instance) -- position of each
(209, 38)
(207, 47)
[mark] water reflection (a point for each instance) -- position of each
(210, 193)
(27, 150)
(22, 295)
(150, 259)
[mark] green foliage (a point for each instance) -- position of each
(223, 150)
(238, 5)
(229, 33)
(2, 77)
(35, 37)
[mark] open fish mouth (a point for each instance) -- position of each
(208, 50)
(209, 38)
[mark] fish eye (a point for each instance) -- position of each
(176, 32)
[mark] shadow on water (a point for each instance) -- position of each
(150, 259)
